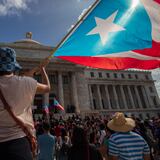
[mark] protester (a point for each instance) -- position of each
(19, 92)
(157, 134)
(125, 144)
(104, 147)
(57, 129)
(101, 133)
(92, 136)
(46, 143)
(81, 150)
(91, 124)
(63, 143)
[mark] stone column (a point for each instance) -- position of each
(60, 89)
(123, 97)
(108, 97)
(99, 97)
(148, 96)
(91, 96)
(115, 97)
(145, 97)
(74, 92)
(138, 97)
(46, 99)
(157, 97)
(131, 97)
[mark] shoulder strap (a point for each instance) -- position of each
(18, 121)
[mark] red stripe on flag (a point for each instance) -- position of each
(60, 107)
(154, 51)
(46, 110)
(113, 63)
(56, 104)
(158, 1)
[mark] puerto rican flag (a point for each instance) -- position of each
(57, 105)
(45, 109)
(116, 34)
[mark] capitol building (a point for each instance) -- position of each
(86, 90)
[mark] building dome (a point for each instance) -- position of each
(28, 39)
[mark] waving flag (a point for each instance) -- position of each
(116, 34)
(57, 105)
(45, 109)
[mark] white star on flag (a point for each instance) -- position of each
(104, 27)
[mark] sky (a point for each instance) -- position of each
(48, 20)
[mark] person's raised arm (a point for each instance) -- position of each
(43, 87)
(37, 70)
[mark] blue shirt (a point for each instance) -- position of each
(128, 146)
(46, 144)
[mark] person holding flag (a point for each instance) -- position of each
(57, 105)
(16, 97)
(45, 109)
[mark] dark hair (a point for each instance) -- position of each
(46, 126)
(102, 126)
(80, 142)
(109, 130)
(2, 73)
(79, 136)
(63, 133)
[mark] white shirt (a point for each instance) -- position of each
(102, 134)
(19, 92)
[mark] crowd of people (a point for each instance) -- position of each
(98, 133)
(76, 138)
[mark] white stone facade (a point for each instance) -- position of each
(90, 90)
(132, 92)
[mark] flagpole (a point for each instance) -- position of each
(73, 28)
